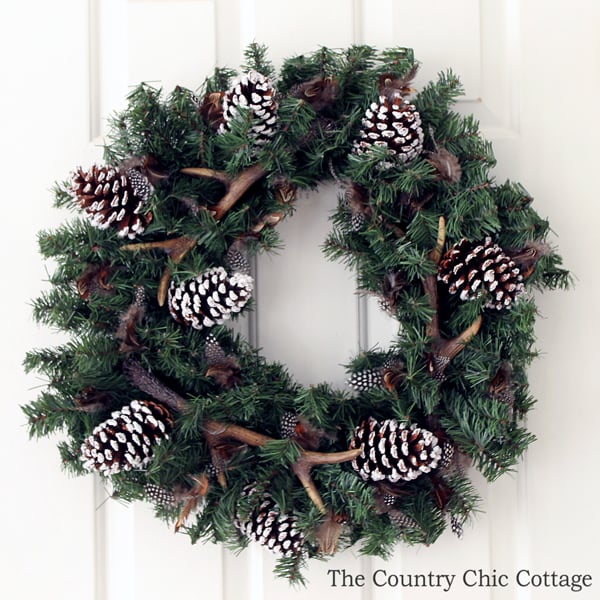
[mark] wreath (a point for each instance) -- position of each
(170, 406)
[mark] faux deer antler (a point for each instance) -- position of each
(217, 432)
(236, 187)
(443, 350)
(175, 248)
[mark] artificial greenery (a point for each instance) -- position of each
(400, 230)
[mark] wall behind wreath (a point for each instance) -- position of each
(532, 74)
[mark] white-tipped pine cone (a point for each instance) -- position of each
(254, 92)
(113, 198)
(267, 526)
(127, 439)
(474, 268)
(394, 450)
(392, 123)
(210, 298)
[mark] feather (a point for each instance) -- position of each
(446, 164)
(192, 498)
(224, 369)
(320, 92)
(130, 319)
(93, 400)
(211, 109)
(391, 86)
(329, 533)
(526, 258)
(307, 435)
(95, 280)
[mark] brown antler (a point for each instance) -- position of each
(216, 432)
(175, 248)
(236, 187)
(443, 350)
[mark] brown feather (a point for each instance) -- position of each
(191, 497)
(392, 287)
(127, 330)
(442, 492)
(446, 164)
(212, 109)
(285, 191)
(307, 435)
(224, 369)
(391, 86)
(226, 372)
(320, 92)
(501, 386)
(527, 257)
(149, 166)
(328, 533)
(93, 400)
(95, 280)
(357, 199)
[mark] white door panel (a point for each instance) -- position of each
(532, 77)
(47, 538)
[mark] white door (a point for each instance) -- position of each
(532, 76)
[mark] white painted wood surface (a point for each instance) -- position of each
(532, 76)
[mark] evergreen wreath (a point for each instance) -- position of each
(159, 397)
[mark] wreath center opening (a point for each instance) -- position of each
(306, 305)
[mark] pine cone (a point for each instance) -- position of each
(269, 527)
(475, 268)
(111, 197)
(392, 123)
(394, 451)
(253, 92)
(126, 440)
(210, 298)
